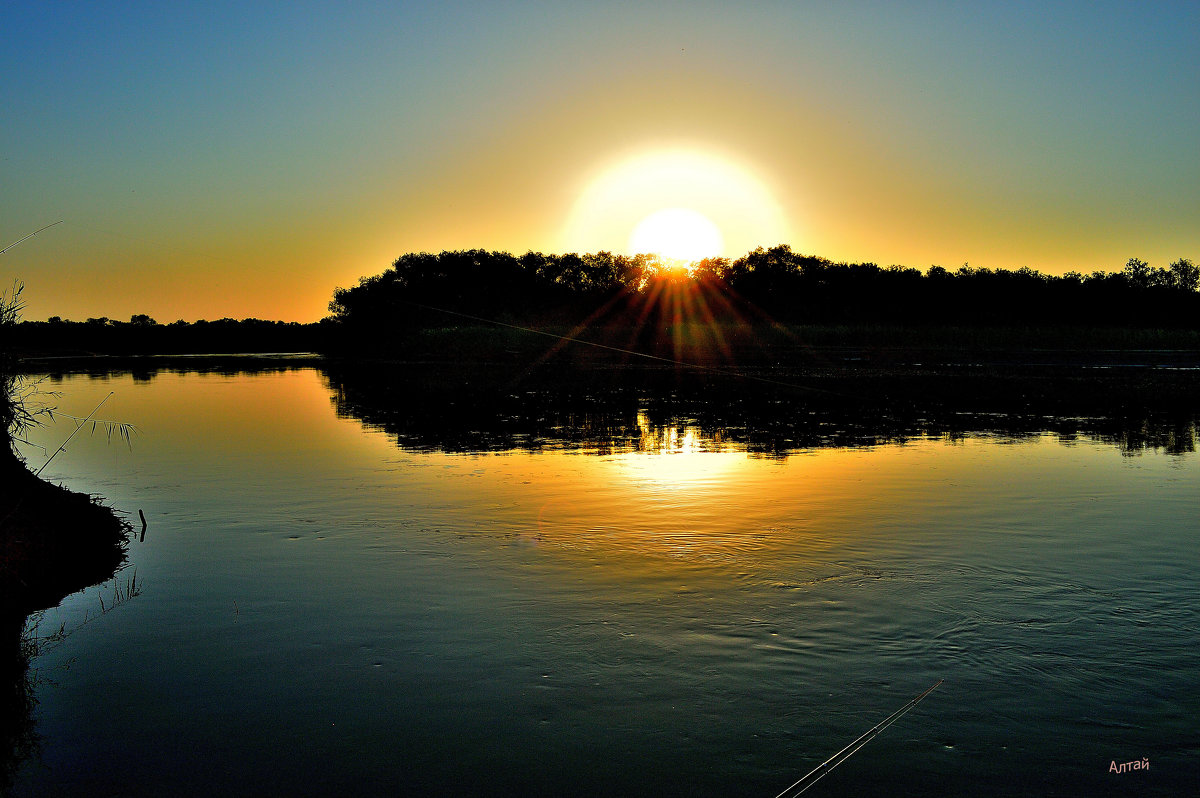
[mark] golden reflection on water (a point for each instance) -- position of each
(687, 512)
(677, 500)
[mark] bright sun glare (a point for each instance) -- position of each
(677, 233)
(677, 203)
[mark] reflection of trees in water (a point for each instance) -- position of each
(24, 639)
(607, 411)
(496, 407)
(146, 369)
(18, 739)
(1173, 436)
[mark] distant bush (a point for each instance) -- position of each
(143, 335)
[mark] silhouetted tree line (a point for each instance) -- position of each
(776, 284)
(457, 288)
(143, 335)
(498, 285)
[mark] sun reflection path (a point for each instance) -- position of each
(677, 507)
(677, 458)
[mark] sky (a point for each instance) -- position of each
(214, 159)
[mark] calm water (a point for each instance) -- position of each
(323, 612)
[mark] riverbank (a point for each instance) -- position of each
(53, 541)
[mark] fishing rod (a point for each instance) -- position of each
(822, 770)
(78, 426)
(633, 352)
(31, 235)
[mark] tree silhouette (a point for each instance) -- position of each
(424, 290)
(1184, 275)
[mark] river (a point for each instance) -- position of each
(326, 602)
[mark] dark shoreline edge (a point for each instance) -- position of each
(53, 541)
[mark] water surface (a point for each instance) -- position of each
(667, 611)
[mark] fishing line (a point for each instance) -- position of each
(822, 770)
(633, 352)
(31, 235)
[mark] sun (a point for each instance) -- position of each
(680, 203)
(678, 233)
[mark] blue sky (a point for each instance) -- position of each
(224, 159)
